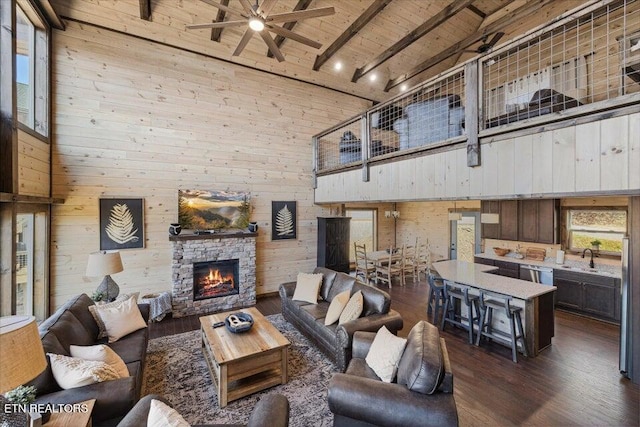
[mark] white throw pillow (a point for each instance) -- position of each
(120, 319)
(353, 309)
(163, 415)
(307, 287)
(93, 309)
(338, 303)
(72, 372)
(100, 353)
(385, 353)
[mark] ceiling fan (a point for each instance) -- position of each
(485, 46)
(258, 20)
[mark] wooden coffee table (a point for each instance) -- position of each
(244, 363)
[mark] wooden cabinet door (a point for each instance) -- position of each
(569, 293)
(509, 220)
(333, 243)
(547, 221)
(508, 269)
(600, 300)
(528, 218)
(484, 261)
(490, 231)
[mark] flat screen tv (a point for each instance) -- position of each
(213, 210)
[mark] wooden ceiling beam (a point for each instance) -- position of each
(495, 26)
(431, 23)
(217, 32)
(145, 9)
(302, 5)
(371, 12)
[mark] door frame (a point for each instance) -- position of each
(453, 232)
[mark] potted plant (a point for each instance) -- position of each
(25, 395)
(595, 244)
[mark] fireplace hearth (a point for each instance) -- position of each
(214, 279)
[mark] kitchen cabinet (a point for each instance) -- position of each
(588, 294)
(529, 220)
(508, 269)
(333, 243)
(479, 260)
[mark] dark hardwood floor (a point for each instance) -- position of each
(574, 382)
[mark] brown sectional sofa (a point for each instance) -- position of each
(73, 324)
(335, 340)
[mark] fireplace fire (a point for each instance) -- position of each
(213, 279)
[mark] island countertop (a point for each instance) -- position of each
(478, 276)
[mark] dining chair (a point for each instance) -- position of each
(364, 268)
(422, 259)
(391, 267)
(410, 261)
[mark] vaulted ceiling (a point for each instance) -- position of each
(383, 46)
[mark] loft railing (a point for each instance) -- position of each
(585, 61)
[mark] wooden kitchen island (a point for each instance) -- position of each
(535, 299)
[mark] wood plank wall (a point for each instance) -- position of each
(598, 157)
(33, 166)
(133, 118)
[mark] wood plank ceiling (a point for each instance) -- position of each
(383, 46)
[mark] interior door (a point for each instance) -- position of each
(363, 230)
(465, 237)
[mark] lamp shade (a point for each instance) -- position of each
(489, 218)
(104, 264)
(21, 352)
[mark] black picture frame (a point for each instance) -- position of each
(121, 224)
(283, 220)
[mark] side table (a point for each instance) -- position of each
(160, 305)
(75, 418)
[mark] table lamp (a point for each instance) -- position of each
(105, 263)
(21, 360)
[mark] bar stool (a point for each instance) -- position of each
(436, 298)
(452, 292)
(490, 301)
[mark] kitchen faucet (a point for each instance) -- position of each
(591, 264)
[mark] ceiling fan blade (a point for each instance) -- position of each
(495, 38)
(293, 36)
(265, 8)
(216, 25)
(247, 7)
(243, 41)
(273, 47)
(301, 14)
(223, 7)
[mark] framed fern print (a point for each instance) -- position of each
(283, 220)
(121, 224)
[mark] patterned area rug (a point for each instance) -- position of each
(177, 370)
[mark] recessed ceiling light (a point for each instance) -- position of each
(372, 77)
(403, 87)
(337, 66)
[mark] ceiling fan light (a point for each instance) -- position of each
(256, 24)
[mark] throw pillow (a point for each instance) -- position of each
(163, 415)
(338, 304)
(385, 353)
(120, 320)
(72, 372)
(307, 287)
(353, 309)
(101, 353)
(93, 309)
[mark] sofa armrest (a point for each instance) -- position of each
(138, 415)
(361, 343)
(113, 398)
(286, 290)
(392, 320)
(379, 403)
(271, 411)
(145, 310)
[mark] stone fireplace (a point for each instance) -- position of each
(213, 272)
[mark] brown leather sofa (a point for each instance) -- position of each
(422, 394)
(73, 324)
(335, 340)
(270, 411)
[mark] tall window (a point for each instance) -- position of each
(32, 76)
(606, 226)
(362, 229)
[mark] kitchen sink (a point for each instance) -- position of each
(588, 270)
